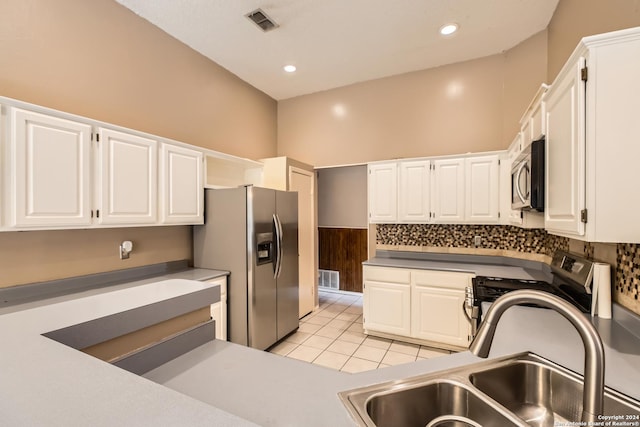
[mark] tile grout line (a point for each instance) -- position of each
(335, 339)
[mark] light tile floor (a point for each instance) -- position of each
(332, 336)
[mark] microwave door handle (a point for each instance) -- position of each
(518, 173)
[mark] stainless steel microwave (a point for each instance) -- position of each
(527, 178)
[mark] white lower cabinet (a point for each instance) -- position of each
(421, 305)
(436, 307)
(387, 300)
(219, 309)
(386, 307)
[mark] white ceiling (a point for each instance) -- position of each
(334, 43)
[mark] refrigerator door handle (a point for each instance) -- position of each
(278, 227)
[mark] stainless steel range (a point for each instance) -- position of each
(572, 278)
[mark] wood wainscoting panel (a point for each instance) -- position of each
(343, 250)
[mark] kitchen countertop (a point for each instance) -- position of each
(47, 383)
(479, 265)
(271, 390)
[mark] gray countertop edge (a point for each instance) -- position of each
(20, 294)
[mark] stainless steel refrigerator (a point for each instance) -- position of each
(253, 233)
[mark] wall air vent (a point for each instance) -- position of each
(262, 20)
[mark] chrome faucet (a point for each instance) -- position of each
(593, 397)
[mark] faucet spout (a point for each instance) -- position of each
(593, 397)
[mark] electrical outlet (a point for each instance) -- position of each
(477, 241)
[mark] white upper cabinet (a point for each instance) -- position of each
(482, 190)
(414, 191)
(565, 153)
(51, 165)
(533, 122)
(62, 171)
(448, 190)
(383, 190)
(181, 185)
(128, 172)
(448, 193)
(592, 141)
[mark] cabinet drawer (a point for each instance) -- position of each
(387, 274)
(442, 279)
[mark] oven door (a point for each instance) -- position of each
(521, 183)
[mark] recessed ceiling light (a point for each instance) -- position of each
(290, 68)
(448, 29)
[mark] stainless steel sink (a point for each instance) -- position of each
(449, 403)
(520, 390)
(542, 394)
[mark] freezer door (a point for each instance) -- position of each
(288, 297)
(262, 306)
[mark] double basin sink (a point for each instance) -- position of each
(520, 390)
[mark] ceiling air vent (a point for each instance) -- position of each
(262, 20)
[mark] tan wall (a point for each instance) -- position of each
(452, 109)
(35, 256)
(339, 188)
(574, 19)
(98, 59)
(525, 71)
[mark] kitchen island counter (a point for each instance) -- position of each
(47, 383)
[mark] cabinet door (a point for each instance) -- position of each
(414, 191)
(482, 189)
(448, 194)
(383, 190)
(437, 316)
(387, 307)
(128, 177)
(181, 185)
(565, 154)
(51, 163)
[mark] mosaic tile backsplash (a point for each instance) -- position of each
(504, 237)
(624, 257)
(627, 276)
